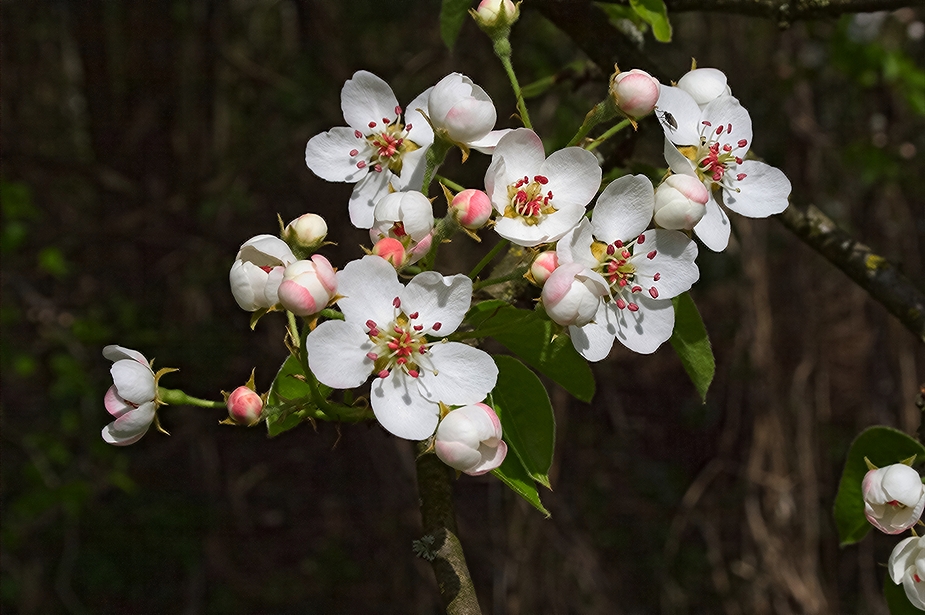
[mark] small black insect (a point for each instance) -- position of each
(669, 119)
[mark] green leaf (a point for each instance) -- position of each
(654, 13)
(527, 419)
(689, 340)
(536, 342)
(883, 446)
(513, 474)
(289, 402)
(453, 13)
(896, 599)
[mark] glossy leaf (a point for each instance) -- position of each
(453, 13)
(527, 419)
(513, 474)
(289, 402)
(690, 341)
(654, 13)
(883, 446)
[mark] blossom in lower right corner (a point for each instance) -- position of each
(894, 498)
(907, 566)
(469, 440)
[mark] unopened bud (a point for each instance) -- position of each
(391, 250)
(635, 92)
(704, 85)
(469, 440)
(244, 406)
(496, 13)
(894, 498)
(306, 233)
(308, 286)
(472, 208)
(680, 202)
(543, 266)
(572, 294)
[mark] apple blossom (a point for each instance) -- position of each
(132, 398)
(461, 110)
(244, 406)
(710, 144)
(704, 85)
(472, 208)
(894, 498)
(378, 150)
(306, 233)
(573, 293)
(543, 266)
(539, 199)
(643, 268)
(907, 566)
(469, 440)
(258, 270)
(680, 202)
(385, 333)
(635, 92)
(308, 286)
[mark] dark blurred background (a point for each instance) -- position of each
(143, 142)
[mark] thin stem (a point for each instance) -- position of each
(601, 112)
(293, 328)
(488, 258)
(610, 132)
(515, 275)
(440, 545)
(449, 183)
(443, 230)
(515, 85)
(331, 314)
(433, 160)
(176, 397)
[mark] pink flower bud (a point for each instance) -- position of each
(469, 440)
(244, 406)
(497, 12)
(704, 84)
(543, 265)
(635, 92)
(308, 286)
(894, 498)
(680, 202)
(307, 231)
(572, 294)
(472, 208)
(391, 250)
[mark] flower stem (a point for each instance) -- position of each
(449, 183)
(440, 545)
(610, 132)
(176, 397)
(517, 274)
(503, 51)
(488, 258)
(443, 230)
(433, 160)
(293, 328)
(601, 112)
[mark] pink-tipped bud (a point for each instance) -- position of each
(468, 439)
(244, 406)
(894, 498)
(306, 233)
(680, 202)
(543, 266)
(572, 294)
(308, 286)
(472, 208)
(635, 92)
(496, 13)
(391, 250)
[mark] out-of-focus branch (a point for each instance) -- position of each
(873, 273)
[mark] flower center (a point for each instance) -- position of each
(387, 143)
(615, 264)
(527, 200)
(716, 161)
(400, 344)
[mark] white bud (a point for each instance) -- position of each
(635, 92)
(680, 202)
(308, 286)
(308, 231)
(894, 498)
(704, 85)
(461, 108)
(258, 270)
(469, 440)
(497, 13)
(572, 294)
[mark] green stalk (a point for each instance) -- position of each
(515, 275)
(601, 112)
(610, 132)
(176, 397)
(488, 258)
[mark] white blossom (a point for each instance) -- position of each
(894, 497)
(131, 398)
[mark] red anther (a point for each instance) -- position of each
(354, 152)
(633, 307)
(625, 254)
(418, 327)
(706, 123)
(377, 168)
(521, 196)
(893, 503)
(413, 315)
(398, 330)
(372, 124)
(719, 130)
(549, 194)
(623, 282)
(413, 373)
(728, 128)
(370, 324)
(651, 254)
(738, 160)
(727, 148)
(437, 326)
(641, 239)
(267, 269)
(401, 361)
(618, 243)
(361, 164)
(372, 356)
(393, 345)
(636, 289)
(657, 277)
(541, 179)
(422, 349)
(741, 176)
(621, 303)
(386, 121)
(383, 373)
(396, 302)
(916, 578)
(374, 332)
(357, 134)
(717, 174)
(653, 292)
(407, 127)
(610, 250)
(742, 143)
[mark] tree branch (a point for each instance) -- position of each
(439, 544)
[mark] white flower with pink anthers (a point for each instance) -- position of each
(643, 268)
(710, 144)
(377, 149)
(387, 331)
(539, 199)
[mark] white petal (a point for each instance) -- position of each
(365, 196)
(130, 427)
(704, 84)
(553, 227)
(114, 352)
(673, 262)
(594, 340)
(134, 381)
(366, 98)
(420, 132)
(369, 287)
(624, 209)
(337, 354)
(902, 557)
(685, 113)
(328, 155)
(496, 183)
(762, 193)
(245, 280)
(575, 246)
(436, 298)
(114, 404)
(645, 330)
(266, 251)
(574, 176)
(487, 144)
(523, 154)
(492, 457)
(465, 375)
(678, 162)
(400, 408)
(714, 228)
(915, 590)
(726, 111)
